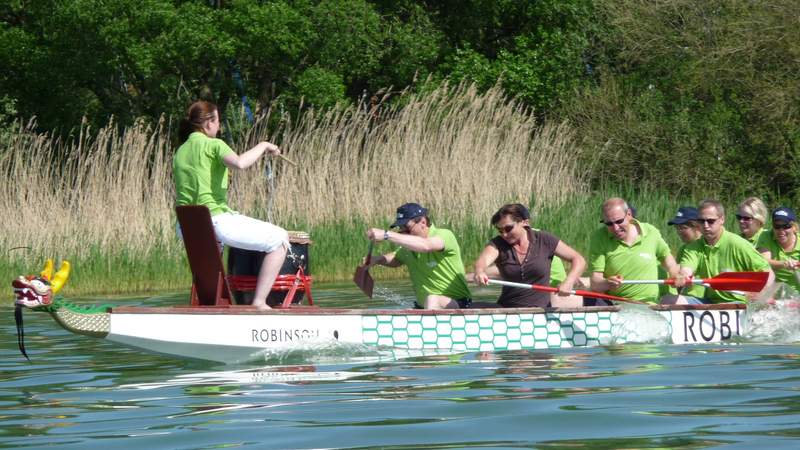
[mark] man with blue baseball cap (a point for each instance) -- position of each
(432, 256)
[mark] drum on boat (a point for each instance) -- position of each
(248, 262)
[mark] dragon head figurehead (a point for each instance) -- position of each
(33, 291)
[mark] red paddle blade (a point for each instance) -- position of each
(738, 281)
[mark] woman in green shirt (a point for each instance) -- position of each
(200, 171)
(780, 246)
(751, 215)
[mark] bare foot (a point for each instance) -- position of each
(261, 306)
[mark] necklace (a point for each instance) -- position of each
(521, 251)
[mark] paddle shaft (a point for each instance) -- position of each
(369, 253)
(279, 155)
(590, 294)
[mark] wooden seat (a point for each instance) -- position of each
(209, 285)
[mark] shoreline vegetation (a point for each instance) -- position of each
(105, 202)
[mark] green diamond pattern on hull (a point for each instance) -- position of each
(488, 331)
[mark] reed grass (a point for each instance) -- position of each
(458, 152)
(105, 200)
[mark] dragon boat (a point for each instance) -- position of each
(238, 333)
(214, 327)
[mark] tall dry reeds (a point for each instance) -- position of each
(460, 153)
(109, 190)
(109, 196)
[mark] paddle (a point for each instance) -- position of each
(362, 278)
(726, 281)
(280, 155)
(591, 294)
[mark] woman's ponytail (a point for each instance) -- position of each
(197, 115)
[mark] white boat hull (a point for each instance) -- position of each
(238, 334)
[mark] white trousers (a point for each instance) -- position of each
(237, 230)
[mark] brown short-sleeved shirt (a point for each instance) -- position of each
(534, 269)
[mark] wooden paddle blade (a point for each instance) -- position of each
(362, 278)
(738, 281)
(364, 281)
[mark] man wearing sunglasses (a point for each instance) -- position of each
(432, 256)
(719, 251)
(626, 248)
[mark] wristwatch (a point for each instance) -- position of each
(385, 235)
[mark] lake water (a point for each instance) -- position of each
(79, 392)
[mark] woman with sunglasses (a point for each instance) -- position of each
(525, 255)
(751, 215)
(780, 247)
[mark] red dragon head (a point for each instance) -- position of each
(32, 291)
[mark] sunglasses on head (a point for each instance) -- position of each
(708, 221)
(611, 223)
(506, 228)
(743, 218)
(782, 226)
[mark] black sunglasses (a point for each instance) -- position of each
(506, 228)
(708, 221)
(743, 218)
(613, 222)
(782, 226)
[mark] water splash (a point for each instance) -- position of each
(393, 298)
(775, 322)
(640, 324)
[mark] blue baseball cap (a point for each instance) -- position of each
(407, 212)
(684, 214)
(784, 214)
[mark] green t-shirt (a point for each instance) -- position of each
(200, 176)
(767, 242)
(639, 261)
(558, 273)
(756, 236)
(437, 273)
(695, 290)
(732, 253)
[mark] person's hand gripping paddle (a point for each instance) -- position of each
(362, 278)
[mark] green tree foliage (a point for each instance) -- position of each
(319, 87)
(536, 49)
(695, 97)
(666, 92)
(131, 59)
